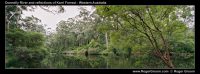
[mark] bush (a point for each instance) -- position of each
(24, 49)
(184, 46)
(26, 57)
(35, 39)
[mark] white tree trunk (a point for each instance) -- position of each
(106, 36)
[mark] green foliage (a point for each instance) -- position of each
(184, 46)
(24, 57)
(25, 48)
(141, 27)
(93, 44)
(35, 39)
(32, 24)
(128, 35)
(19, 37)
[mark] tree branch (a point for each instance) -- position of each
(156, 44)
(160, 32)
(137, 14)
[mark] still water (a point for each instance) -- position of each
(112, 61)
(100, 61)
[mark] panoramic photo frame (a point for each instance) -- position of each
(85, 35)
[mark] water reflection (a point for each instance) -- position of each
(90, 61)
(102, 61)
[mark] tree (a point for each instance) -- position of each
(150, 22)
(24, 44)
(27, 48)
(32, 24)
(77, 31)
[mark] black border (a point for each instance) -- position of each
(115, 2)
(124, 2)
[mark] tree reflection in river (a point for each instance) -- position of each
(101, 61)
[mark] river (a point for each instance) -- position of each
(110, 62)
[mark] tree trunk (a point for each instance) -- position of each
(149, 33)
(106, 36)
(167, 60)
(165, 57)
(7, 24)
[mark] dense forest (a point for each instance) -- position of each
(112, 36)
